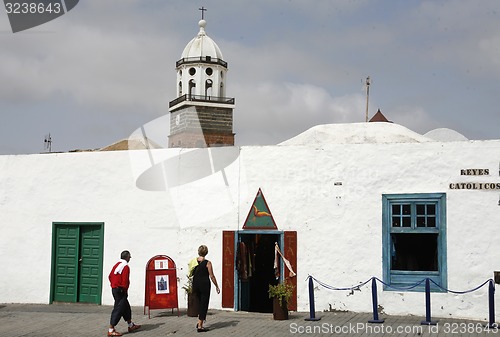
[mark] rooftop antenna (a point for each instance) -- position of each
(367, 85)
(48, 143)
(202, 9)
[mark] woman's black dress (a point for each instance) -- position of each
(201, 287)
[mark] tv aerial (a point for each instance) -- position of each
(367, 83)
(48, 143)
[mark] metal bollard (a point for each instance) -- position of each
(428, 304)
(375, 303)
(312, 315)
(491, 305)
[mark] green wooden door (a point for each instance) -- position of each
(66, 262)
(90, 273)
(77, 262)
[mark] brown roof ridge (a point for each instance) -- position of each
(379, 117)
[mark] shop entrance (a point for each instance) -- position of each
(248, 260)
(255, 270)
(249, 292)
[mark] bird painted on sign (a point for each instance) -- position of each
(258, 213)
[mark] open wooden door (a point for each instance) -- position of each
(228, 268)
(290, 252)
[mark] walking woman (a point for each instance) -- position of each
(203, 273)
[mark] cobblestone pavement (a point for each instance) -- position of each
(54, 320)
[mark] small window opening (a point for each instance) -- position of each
(208, 88)
(414, 252)
(192, 86)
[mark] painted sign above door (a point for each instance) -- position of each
(260, 216)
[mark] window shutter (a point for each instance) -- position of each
(290, 252)
(228, 269)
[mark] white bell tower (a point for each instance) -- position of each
(201, 90)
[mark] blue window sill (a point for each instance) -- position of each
(406, 281)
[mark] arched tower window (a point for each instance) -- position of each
(208, 88)
(222, 93)
(192, 86)
(180, 89)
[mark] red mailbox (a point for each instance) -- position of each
(161, 284)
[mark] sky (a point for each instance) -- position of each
(98, 73)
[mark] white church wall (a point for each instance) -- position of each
(339, 225)
(331, 195)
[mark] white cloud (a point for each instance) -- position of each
(460, 34)
(414, 118)
(93, 62)
(490, 48)
(280, 110)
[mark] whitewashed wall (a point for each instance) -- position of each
(339, 226)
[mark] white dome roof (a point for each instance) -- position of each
(445, 135)
(202, 45)
(356, 133)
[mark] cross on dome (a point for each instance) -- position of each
(202, 9)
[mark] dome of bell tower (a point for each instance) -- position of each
(202, 45)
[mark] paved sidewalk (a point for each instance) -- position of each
(39, 320)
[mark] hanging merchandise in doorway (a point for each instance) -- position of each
(255, 266)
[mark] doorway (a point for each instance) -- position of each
(255, 269)
(77, 256)
(232, 294)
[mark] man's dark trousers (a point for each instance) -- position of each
(121, 308)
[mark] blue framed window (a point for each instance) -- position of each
(414, 240)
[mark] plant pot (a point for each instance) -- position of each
(280, 312)
(192, 309)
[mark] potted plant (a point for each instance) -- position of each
(280, 294)
(192, 299)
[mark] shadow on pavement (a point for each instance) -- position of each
(221, 325)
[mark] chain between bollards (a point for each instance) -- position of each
(428, 320)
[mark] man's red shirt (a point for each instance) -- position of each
(120, 280)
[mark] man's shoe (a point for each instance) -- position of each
(133, 327)
(114, 333)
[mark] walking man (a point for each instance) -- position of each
(119, 278)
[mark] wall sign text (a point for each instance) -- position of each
(474, 185)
